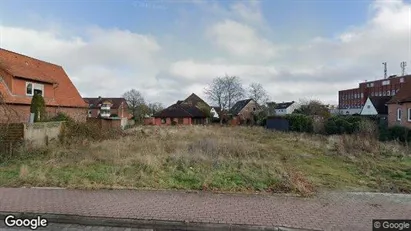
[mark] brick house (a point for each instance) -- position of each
(243, 111)
(399, 108)
(21, 77)
(185, 112)
(108, 107)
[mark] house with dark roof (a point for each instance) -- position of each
(21, 77)
(191, 111)
(285, 108)
(108, 107)
(242, 111)
(376, 105)
(399, 107)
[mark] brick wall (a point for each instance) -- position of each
(392, 115)
(246, 112)
(21, 113)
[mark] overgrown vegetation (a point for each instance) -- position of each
(212, 158)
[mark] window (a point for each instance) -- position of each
(383, 93)
(399, 112)
(29, 89)
(163, 121)
(386, 82)
(89, 113)
(372, 93)
(368, 106)
(393, 92)
(380, 93)
(401, 80)
(388, 93)
(34, 88)
(362, 95)
(409, 114)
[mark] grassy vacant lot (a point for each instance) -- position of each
(216, 158)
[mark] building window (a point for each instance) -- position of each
(401, 80)
(380, 93)
(362, 95)
(409, 114)
(399, 112)
(89, 113)
(368, 106)
(163, 121)
(386, 82)
(34, 88)
(393, 92)
(29, 89)
(383, 93)
(388, 93)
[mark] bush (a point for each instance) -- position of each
(342, 125)
(300, 123)
(60, 117)
(38, 107)
(399, 133)
(75, 132)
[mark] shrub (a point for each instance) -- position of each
(60, 117)
(342, 125)
(75, 132)
(38, 107)
(300, 123)
(399, 133)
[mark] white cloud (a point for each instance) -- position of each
(240, 40)
(110, 61)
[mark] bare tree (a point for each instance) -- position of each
(155, 107)
(234, 90)
(225, 91)
(257, 92)
(136, 103)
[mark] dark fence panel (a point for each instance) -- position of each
(278, 123)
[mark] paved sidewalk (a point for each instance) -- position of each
(328, 211)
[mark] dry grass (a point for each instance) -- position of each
(217, 158)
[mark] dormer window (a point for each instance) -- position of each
(29, 89)
(34, 88)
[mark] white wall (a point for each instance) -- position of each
(213, 111)
(369, 108)
(286, 111)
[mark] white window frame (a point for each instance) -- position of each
(409, 114)
(399, 114)
(386, 82)
(35, 86)
(401, 80)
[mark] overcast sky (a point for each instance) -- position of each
(303, 49)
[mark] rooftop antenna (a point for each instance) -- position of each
(403, 65)
(385, 69)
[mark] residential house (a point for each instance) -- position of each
(376, 106)
(243, 111)
(182, 114)
(399, 107)
(108, 107)
(285, 108)
(192, 110)
(21, 77)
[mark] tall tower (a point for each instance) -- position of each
(403, 65)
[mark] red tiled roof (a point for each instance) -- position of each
(96, 101)
(21, 66)
(403, 95)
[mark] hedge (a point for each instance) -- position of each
(342, 125)
(398, 133)
(300, 123)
